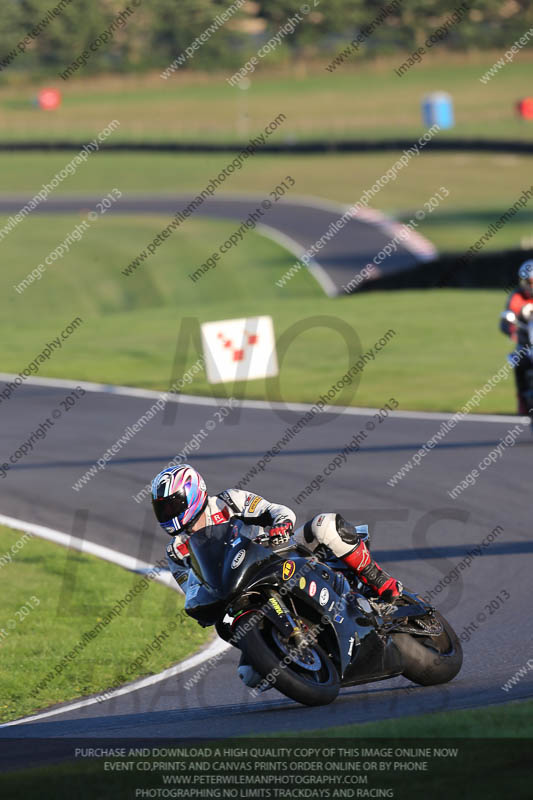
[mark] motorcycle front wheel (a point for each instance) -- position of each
(306, 675)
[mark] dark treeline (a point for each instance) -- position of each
(48, 35)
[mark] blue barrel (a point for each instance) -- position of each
(437, 108)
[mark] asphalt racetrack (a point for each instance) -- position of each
(295, 224)
(418, 532)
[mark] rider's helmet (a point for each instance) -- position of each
(179, 495)
(525, 273)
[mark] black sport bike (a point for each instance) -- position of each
(305, 623)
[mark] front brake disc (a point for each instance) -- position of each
(305, 657)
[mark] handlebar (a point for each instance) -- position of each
(262, 538)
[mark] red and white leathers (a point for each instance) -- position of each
(251, 508)
(329, 529)
(517, 302)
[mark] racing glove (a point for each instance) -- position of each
(281, 533)
(178, 553)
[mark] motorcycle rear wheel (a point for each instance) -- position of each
(262, 650)
(430, 660)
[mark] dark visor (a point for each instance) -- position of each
(166, 508)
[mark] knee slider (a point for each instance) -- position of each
(346, 531)
(341, 539)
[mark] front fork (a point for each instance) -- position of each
(276, 611)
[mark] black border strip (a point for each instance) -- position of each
(341, 146)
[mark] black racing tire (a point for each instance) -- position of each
(263, 654)
(430, 660)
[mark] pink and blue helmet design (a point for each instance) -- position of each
(179, 495)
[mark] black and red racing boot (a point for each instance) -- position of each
(384, 585)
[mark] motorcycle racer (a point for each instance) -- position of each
(182, 505)
(521, 304)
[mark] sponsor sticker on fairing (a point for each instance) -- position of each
(324, 597)
(239, 558)
(312, 589)
(288, 570)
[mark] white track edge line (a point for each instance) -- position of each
(75, 543)
(214, 649)
(317, 270)
(191, 399)
(133, 565)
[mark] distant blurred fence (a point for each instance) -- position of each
(493, 270)
(312, 147)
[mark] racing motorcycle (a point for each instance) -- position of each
(304, 623)
(524, 349)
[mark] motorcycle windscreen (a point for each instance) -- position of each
(218, 551)
(207, 549)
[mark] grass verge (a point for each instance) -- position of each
(52, 597)
(492, 722)
(446, 343)
(486, 764)
(360, 99)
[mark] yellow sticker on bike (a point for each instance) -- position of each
(288, 570)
